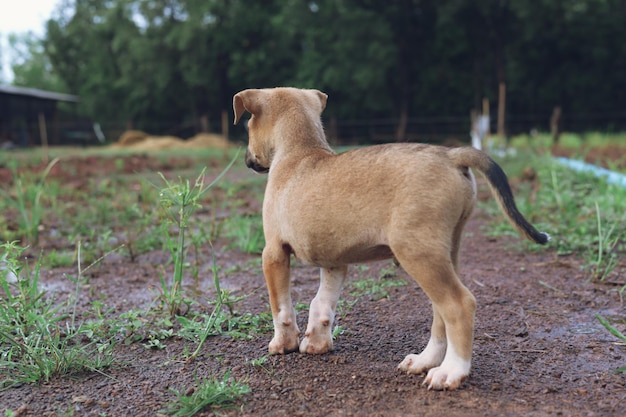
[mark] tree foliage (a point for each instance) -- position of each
(162, 63)
(30, 64)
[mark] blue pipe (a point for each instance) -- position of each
(612, 177)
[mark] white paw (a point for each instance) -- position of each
(317, 341)
(450, 375)
(441, 378)
(430, 357)
(286, 339)
(417, 364)
(281, 347)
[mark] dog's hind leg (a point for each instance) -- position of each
(453, 305)
(435, 350)
(318, 337)
(276, 270)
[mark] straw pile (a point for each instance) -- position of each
(141, 141)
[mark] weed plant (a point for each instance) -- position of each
(178, 201)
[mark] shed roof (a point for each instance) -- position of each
(33, 92)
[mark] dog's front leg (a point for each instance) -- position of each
(318, 337)
(276, 271)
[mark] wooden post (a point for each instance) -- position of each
(402, 123)
(486, 112)
(333, 131)
(43, 134)
(555, 124)
(501, 108)
(225, 124)
(204, 123)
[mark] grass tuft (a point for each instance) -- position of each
(615, 332)
(210, 393)
(39, 340)
(27, 199)
(584, 214)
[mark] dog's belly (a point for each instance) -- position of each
(330, 257)
(373, 253)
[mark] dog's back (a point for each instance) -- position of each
(373, 195)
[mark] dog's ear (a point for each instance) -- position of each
(245, 100)
(323, 98)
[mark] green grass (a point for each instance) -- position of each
(43, 336)
(216, 394)
(58, 259)
(372, 288)
(375, 288)
(39, 339)
(27, 198)
(246, 233)
(615, 332)
(568, 140)
(178, 201)
(579, 145)
(584, 214)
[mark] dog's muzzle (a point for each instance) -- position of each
(254, 165)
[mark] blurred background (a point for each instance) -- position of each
(394, 70)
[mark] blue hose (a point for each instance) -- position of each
(612, 177)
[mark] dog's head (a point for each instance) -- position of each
(276, 113)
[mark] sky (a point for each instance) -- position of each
(21, 16)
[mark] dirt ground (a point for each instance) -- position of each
(539, 350)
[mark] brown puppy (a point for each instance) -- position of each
(408, 201)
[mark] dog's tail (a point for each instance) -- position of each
(500, 188)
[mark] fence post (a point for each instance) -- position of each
(486, 113)
(555, 124)
(204, 123)
(43, 134)
(225, 124)
(501, 108)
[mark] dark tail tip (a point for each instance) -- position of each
(496, 176)
(541, 237)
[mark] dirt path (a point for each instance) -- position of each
(538, 348)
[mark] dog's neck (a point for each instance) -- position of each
(298, 142)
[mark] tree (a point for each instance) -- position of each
(344, 50)
(163, 64)
(30, 64)
(571, 54)
(152, 61)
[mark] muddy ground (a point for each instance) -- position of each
(539, 350)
